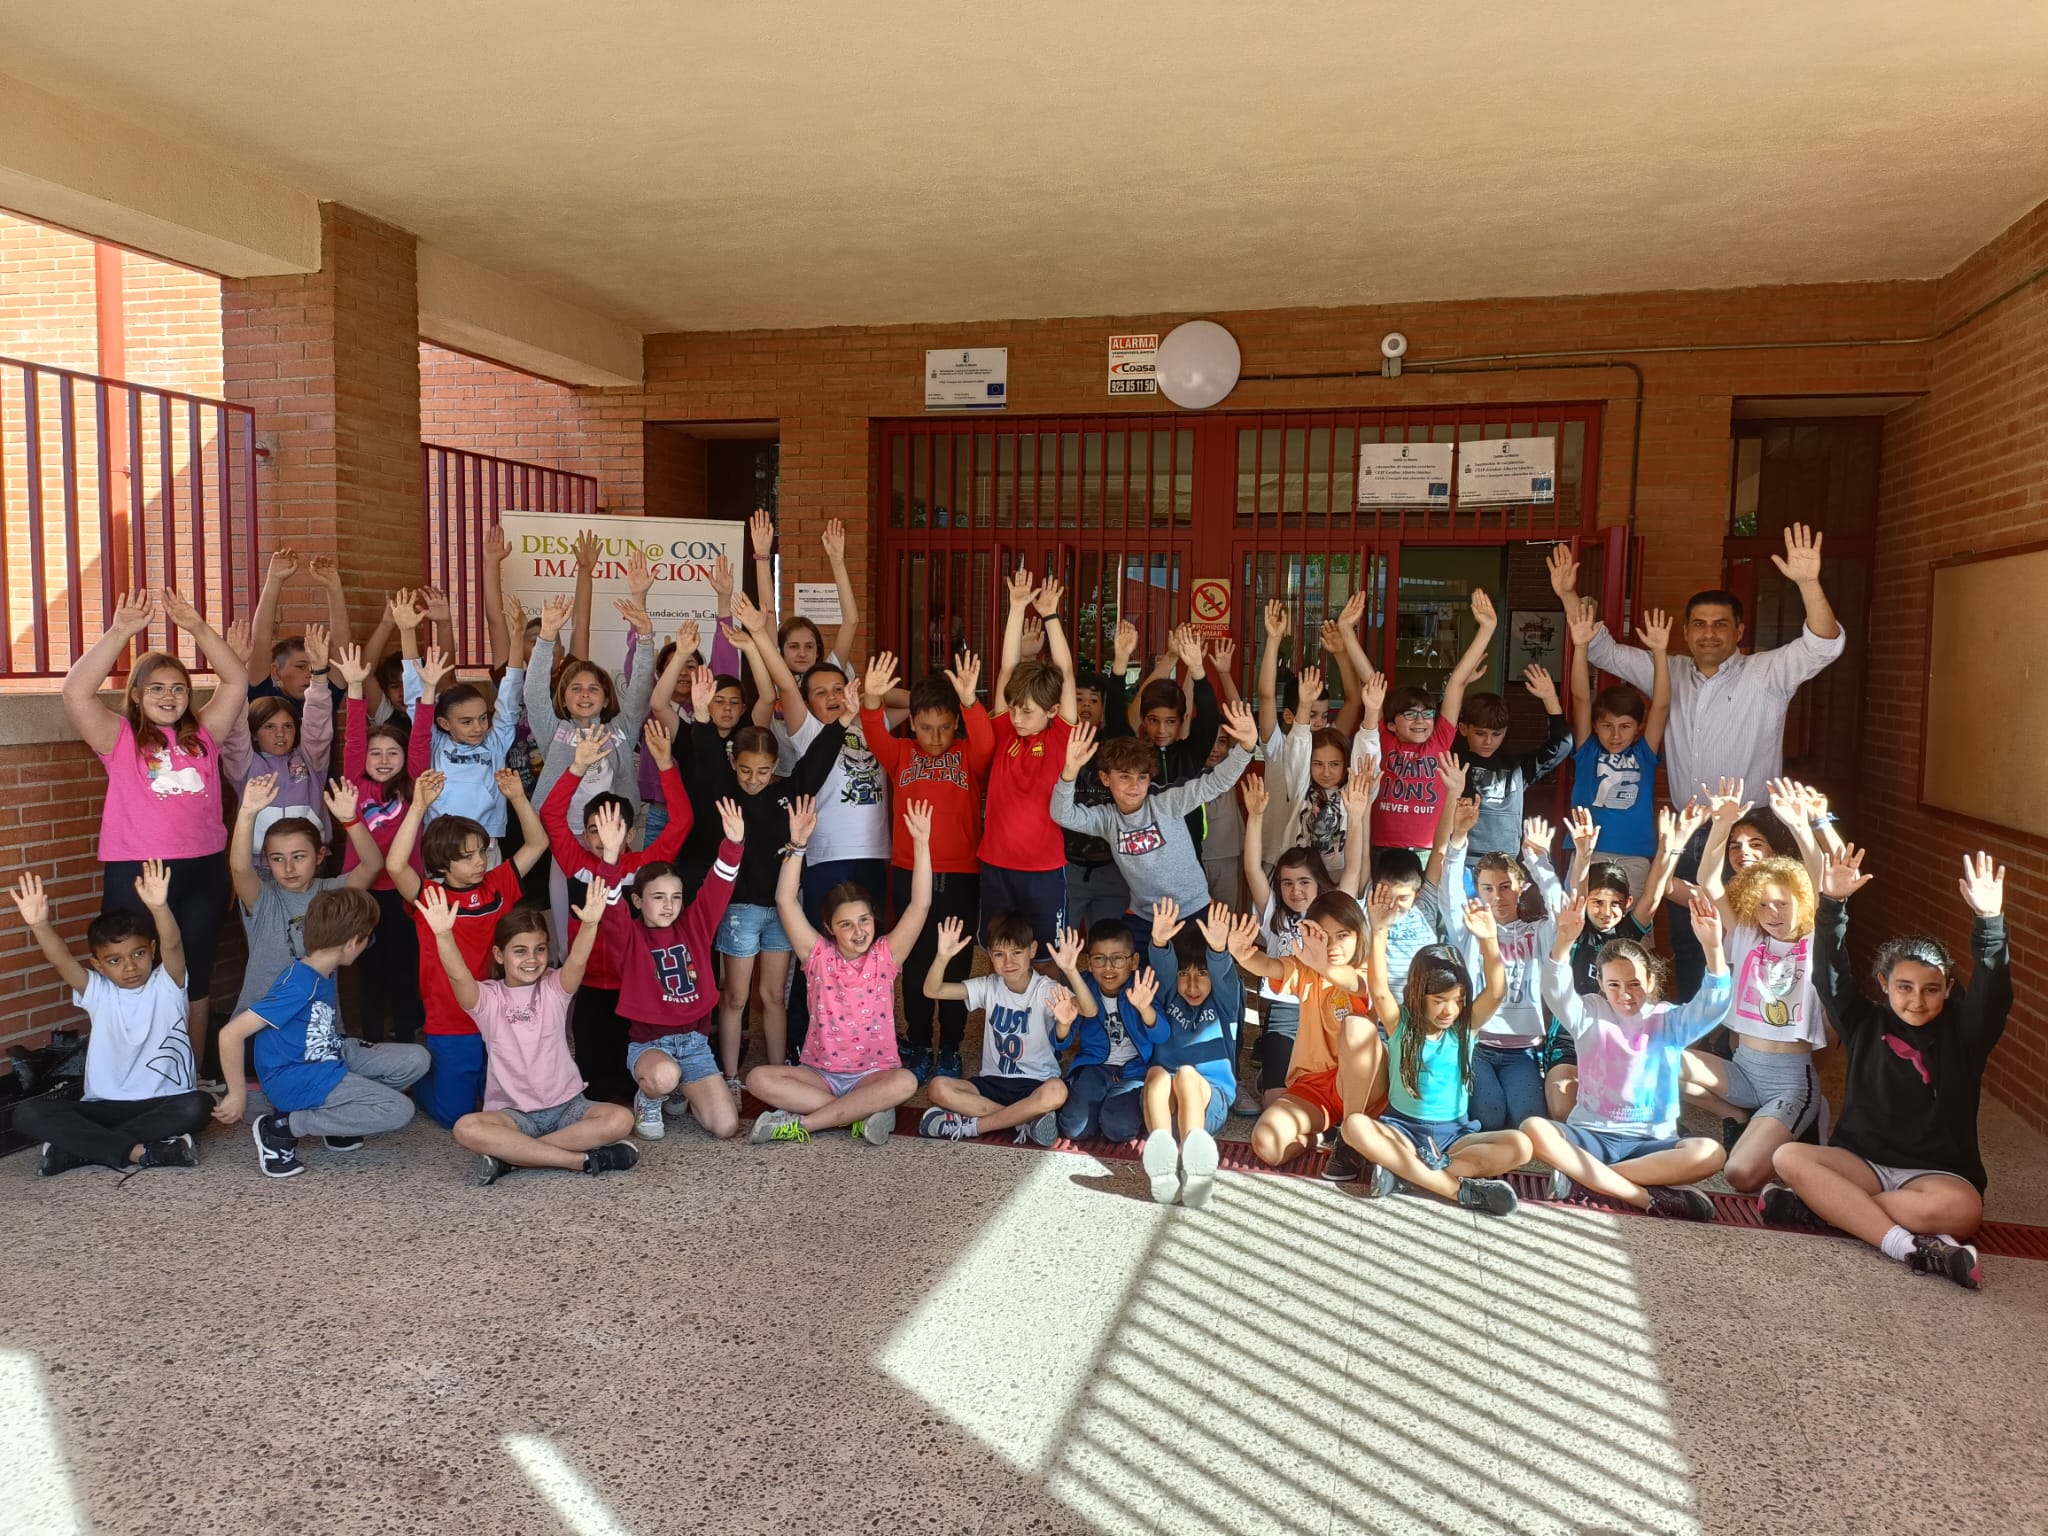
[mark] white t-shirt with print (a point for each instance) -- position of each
(140, 1046)
(1017, 1035)
(1774, 992)
(853, 802)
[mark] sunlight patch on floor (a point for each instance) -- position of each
(36, 1494)
(581, 1508)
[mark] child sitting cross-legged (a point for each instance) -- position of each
(142, 1102)
(1192, 1079)
(1428, 1137)
(1019, 1084)
(319, 1082)
(1903, 1171)
(534, 1114)
(661, 947)
(1621, 1140)
(1114, 1042)
(851, 1074)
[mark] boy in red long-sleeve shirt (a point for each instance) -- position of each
(934, 765)
(668, 987)
(594, 1022)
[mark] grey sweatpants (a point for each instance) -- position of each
(370, 1099)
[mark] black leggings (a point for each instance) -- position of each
(600, 1037)
(200, 892)
(105, 1131)
(953, 895)
(390, 975)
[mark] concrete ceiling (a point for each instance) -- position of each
(692, 166)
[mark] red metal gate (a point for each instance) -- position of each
(1131, 509)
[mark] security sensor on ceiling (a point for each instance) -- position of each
(1393, 347)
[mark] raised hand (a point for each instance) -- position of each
(761, 534)
(1214, 926)
(1685, 821)
(751, 618)
(438, 610)
(179, 610)
(325, 572)
(1464, 816)
(1845, 877)
(689, 640)
(1582, 614)
(433, 906)
(1080, 747)
(1143, 988)
(881, 677)
(354, 670)
(634, 613)
(30, 901)
(434, 668)
(1032, 645)
(917, 821)
(1479, 922)
(1382, 906)
(1542, 687)
(1256, 796)
(1583, 831)
(1276, 621)
(1021, 587)
(965, 677)
(242, 641)
(1165, 921)
(721, 580)
(1801, 560)
(1359, 791)
(406, 609)
(1706, 921)
(834, 540)
(1983, 885)
(1571, 919)
(1047, 598)
(703, 688)
(1372, 692)
(660, 745)
(1224, 654)
(595, 895)
(1240, 724)
(510, 785)
(133, 614)
(1564, 574)
(497, 547)
(1125, 648)
(1187, 645)
(1352, 612)
(153, 885)
(1065, 1010)
(1538, 837)
(1330, 637)
(554, 613)
(515, 614)
(1451, 773)
(588, 548)
(426, 789)
(260, 793)
(639, 576)
(316, 646)
(591, 744)
(803, 819)
(731, 821)
(1244, 936)
(609, 822)
(1482, 610)
(1726, 803)
(1066, 952)
(1312, 945)
(952, 938)
(341, 800)
(1310, 681)
(1655, 631)
(284, 565)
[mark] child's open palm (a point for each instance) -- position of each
(1047, 598)
(1571, 919)
(1066, 950)
(1240, 725)
(1583, 614)
(1214, 926)
(1165, 921)
(1844, 876)
(1021, 587)
(316, 646)
(405, 608)
(803, 819)
(1583, 830)
(952, 938)
(510, 785)
(1244, 936)
(1450, 772)
(609, 822)
(881, 677)
(1126, 646)
(1143, 988)
(1080, 747)
(434, 668)
(433, 905)
(1542, 687)
(917, 820)
(965, 676)
(354, 670)
(1256, 797)
(134, 613)
(595, 895)
(260, 792)
(1479, 922)
(721, 579)
(1309, 681)
(1382, 907)
(554, 613)
(1276, 621)
(1312, 945)
(1064, 1010)
(703, 688)
(834, 540)
(426, 789)
(1359, 791)
(660, 745)
(730, 821)
(1538, 837)
(1655, 631)
(1983, 885)
(153, 885)
(341, 800)
(1706, 921)
(591, 744)
(587, 548)
(30, 901)
(761, 533)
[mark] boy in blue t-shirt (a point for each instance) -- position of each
(1116, 1039)
(1620, 738)
(1192, 1079)
(319, 1083)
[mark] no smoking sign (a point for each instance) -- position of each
(1209, 608)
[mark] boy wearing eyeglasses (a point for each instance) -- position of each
(1414, 736)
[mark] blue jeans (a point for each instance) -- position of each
(1507, 1086)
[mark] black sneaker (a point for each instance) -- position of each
(487, 1170)
(176, 1152)
(1779, 1206)
(56, 1160)
(917, 1059)
(1492, 1196)
(613, 1157)
(1731, 1133)
(1680, 1203)
(277, 1149)
(1380, 1183)
(946, 1064)
(343, 1143)
(1952, 1261)
(1344, 1164)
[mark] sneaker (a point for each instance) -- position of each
(946, 1064)
(1044, 1131)
(647, 1122)
(1344, 1164)
(1951, 1260)
(1198, 1163)
(487, 1170)
(612, 1157)
(675, 1104)
(56, 1160)
(778, 1125)
(1247, 1102)
(1731, 1132)
(175, 1152)
(1779, 1206)
(944, 1125)
(1380, 1182)
(1161, 1158)
(1493, 1196)
(876, 1129)
(343, 1143)
(1561, 1186)
(277, 1149)
(917, 1059)
(738, 1086)
(1680, 1203)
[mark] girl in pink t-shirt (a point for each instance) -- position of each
(163, 775)
(851, 1074)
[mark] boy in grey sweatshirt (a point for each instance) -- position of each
(1146, 831)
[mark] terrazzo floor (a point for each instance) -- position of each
(925, 1337)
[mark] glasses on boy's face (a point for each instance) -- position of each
(1418, 713)
(1111, 962)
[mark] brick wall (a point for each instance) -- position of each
(50, 798)
(1963, 469)
(468, 403)
(47, 311)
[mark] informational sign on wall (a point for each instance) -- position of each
(818, 601)
(1519, 469)
(679, 553)
(1209, 607)
(1404, 474)
(967, 379)
(1134, 364)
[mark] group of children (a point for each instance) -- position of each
(568, 889)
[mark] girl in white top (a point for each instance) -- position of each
(1776, 1016)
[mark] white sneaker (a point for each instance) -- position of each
(1198, 1162)
(1162, 1165)
(647, 1118)
(675, 1104)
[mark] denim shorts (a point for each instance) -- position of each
(1611, 1148)
(545, 1122)
(690, 1051)
(1431, 1139)
(746, 930)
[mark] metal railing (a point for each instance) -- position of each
(461, 495)
(106, 486)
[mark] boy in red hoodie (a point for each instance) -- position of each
(934, 765)
(668, 988)
(594, 1022)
